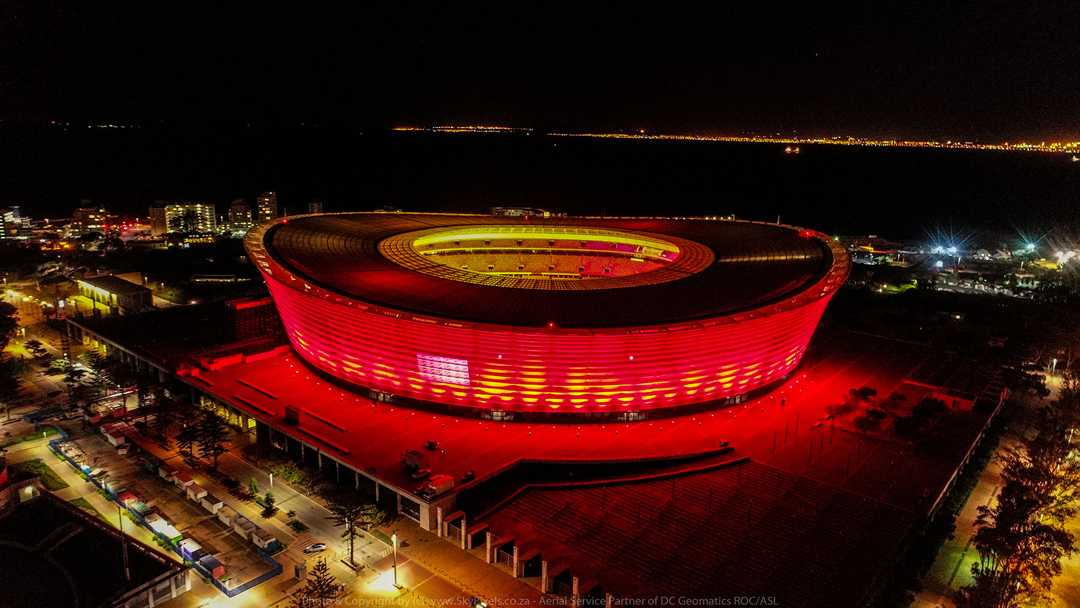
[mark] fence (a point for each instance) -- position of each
(453, 533)
(505, 558)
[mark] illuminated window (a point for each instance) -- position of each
(443, 369)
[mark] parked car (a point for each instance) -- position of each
(315, 548)
(421, 474)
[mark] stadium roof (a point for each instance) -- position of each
(752, 265)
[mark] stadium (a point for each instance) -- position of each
(596, 408)
(525, 318)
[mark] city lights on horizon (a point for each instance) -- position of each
(836, 140)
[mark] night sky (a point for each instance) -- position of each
(980, 70)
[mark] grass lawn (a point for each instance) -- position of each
(49, 478)
(85, 505)
(10, 441)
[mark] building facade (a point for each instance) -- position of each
(117, 296)
(89, 219)
(240, 215)
(266, 207)
(190, 217)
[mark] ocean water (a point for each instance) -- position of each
(897, 193)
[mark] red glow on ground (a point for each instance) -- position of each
(370, 436)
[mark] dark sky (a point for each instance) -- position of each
(984, 70)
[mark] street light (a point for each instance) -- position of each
(393, 540)
(271, 480)
(123, 543)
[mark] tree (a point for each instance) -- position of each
(73, 380)
(1026, 378)
(268, 504)
(10, 384)
(1018, 556)
(253, 487)
(165, 412)
(187, 438)
(36, 348)
(1022, 537)
(213, 436)
(319, 590)
(9, 322)
(10, 368)
(356, 516)
(101, 374)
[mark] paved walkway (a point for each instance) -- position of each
(470, 574)
(431, 570)
(952, 567)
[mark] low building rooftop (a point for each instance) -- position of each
(114, 284)
(54, 554)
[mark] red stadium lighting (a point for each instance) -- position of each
(396, 341)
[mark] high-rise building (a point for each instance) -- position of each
(240, 217)
(266, 207)
(190, 217)
(89, 219)
(314, 206)
(12, 224)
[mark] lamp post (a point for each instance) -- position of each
(393, 541)
(271, 480)
(123, 542)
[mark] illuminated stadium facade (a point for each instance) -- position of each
(512, 318)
